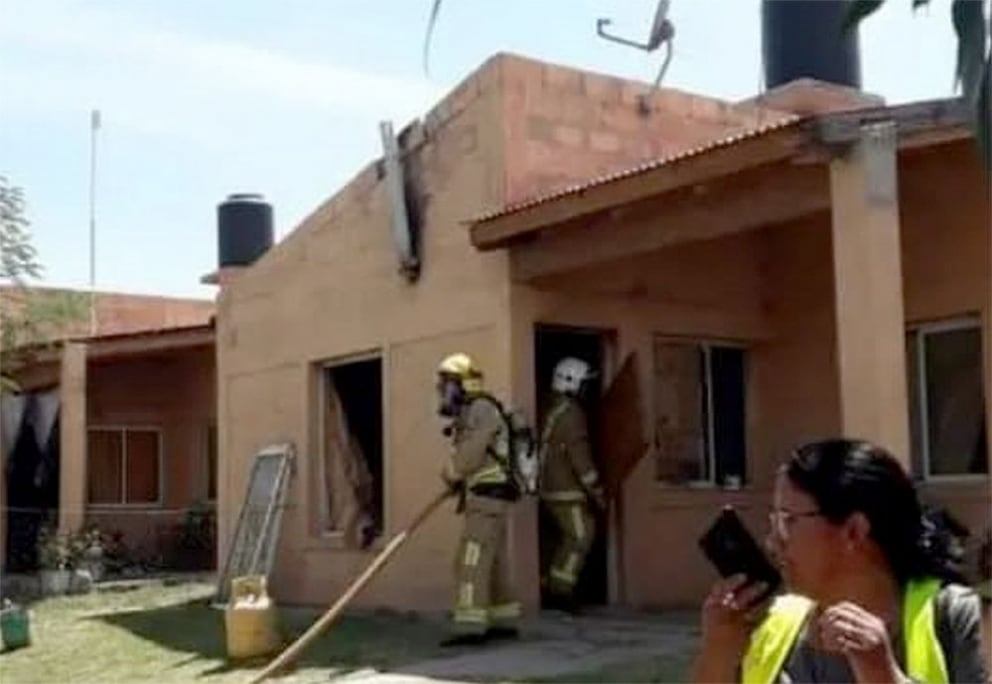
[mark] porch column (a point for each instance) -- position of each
(867, 263)
(72, 437)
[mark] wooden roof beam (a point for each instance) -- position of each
(772, 195)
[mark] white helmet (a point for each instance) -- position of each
(569, 375)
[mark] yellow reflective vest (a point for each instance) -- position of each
(774, 638)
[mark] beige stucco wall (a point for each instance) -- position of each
(331, 290)
(774, 290)
(947, 243)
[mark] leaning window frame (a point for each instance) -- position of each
(918, 332)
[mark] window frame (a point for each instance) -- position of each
(707, 344)
(321, 369)
(918, 332)
(211, 431)
(160, 457)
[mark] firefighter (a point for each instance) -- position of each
(569, 484)
(484, 608)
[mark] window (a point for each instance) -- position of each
(699, 399)
(124, 466)
(350, 472)
(212, 463)
(946, 403)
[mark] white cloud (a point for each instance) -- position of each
(158, 81)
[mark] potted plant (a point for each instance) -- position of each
(54, 560)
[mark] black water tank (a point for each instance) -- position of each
(806, 39)
(244, 229)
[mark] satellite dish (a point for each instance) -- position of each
(662, 30)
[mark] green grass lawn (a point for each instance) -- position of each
(166, 632)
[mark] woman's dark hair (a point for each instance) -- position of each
(847, 476)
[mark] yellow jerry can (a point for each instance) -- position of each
(250, 619)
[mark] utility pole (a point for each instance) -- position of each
(94, 127)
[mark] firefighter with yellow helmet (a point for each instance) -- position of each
(569, 483)
(484, 608)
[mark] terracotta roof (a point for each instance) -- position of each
(138, 341)
(147, 333)
(578, 188)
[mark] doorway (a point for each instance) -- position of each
(551, 344)
(32, 496)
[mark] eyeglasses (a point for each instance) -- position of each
(780, 519)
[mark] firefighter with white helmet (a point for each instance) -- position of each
(569, 484)
(484, 608)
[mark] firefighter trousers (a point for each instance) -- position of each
(576, 529)
(483, 597)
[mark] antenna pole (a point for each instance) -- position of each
(94, 127)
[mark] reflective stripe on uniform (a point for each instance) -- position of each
(466, 595)
(552, 420)
(472, 553)
(566, 496)
(562, 576)
(505, 611)
(578, 523)
(567, 574)
(493, 474)
(471, 615)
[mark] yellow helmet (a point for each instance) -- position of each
(462, 366)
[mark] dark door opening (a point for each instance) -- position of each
(32, 496)
(551, 344)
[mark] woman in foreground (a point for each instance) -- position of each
(875, 594)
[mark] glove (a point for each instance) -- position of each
(454, 485)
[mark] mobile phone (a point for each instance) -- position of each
(732, 550)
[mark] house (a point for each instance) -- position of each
(804, 264)
(825, 275)
(114, 429)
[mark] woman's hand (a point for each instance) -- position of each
(729, 616)
(849, 629)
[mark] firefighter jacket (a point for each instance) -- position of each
(568, 473)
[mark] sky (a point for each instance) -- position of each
(203, 98)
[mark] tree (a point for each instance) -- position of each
(973, 70)
(28, 318)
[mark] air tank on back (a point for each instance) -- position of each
(806, 39)
(244, 229)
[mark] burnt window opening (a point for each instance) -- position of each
(351, 450)
(946, 399)
(700, 413)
